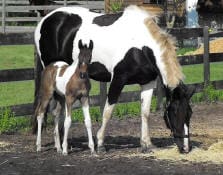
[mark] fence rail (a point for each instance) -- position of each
(98, 100)
(11, 13)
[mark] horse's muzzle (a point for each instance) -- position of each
(183, 145)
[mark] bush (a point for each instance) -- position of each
(209, 94)
(9, 123)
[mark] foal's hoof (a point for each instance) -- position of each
(94, 154)
(59, 151)
(148, 149)
(101, 149)
(64, 153)
(38, 149)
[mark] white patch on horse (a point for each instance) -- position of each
(61, 82)
(186, 140)
(60, 63)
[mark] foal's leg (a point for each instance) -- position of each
(40, 118)
(115, 89)
(57, 112)
(44, 101)
(87, 120)
(67, 121)
(146, 98)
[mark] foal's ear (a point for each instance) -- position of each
(80, 44)
(190, 91)
(91, 45)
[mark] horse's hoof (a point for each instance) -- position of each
(148, 149)
(101, 149)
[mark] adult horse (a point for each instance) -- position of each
(129, 48)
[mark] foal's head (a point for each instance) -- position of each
(84, 57)
(177, 115)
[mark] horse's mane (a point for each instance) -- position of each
(167, 45)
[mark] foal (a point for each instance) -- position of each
(68, 83)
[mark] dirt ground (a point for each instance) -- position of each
(18, 156)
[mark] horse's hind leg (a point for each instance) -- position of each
(87, 120)
(146, 98)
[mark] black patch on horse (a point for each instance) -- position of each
(107, 20)
(137, 67)
(57, 35)
(98, 72)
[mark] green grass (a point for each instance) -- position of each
(15, 57)
(12, 57)
(194, 73)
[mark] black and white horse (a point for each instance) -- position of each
(67, 83)
(129, 48)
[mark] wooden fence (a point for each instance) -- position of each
(11, 10)
(98, 100)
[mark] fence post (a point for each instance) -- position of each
(65, 3)
(103, 96)
(160, 94)
(3, 16)
(206, 57)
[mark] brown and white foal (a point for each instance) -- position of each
(70, 82)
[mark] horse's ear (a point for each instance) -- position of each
(80, 44)
(91, 45)
(190, 91)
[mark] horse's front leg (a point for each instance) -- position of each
(115, 89)
(101, 132)
(67, 122)
(146, 98)
(87, 120)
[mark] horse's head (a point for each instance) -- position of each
(177, 115)
(84, 57)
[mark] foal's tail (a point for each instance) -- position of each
(37, 79)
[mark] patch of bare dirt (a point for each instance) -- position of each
(18, 155)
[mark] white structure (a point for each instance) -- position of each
(192, 15)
